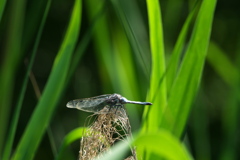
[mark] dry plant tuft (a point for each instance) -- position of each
(104, 132)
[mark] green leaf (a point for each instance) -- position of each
(157, 93)
(127, 82)
(2, 7)
(11, 58)
(187, 82)
(103, 44)
(222, 65)
(163, 144)
(229, 72)
(13, 126)
(172, 67)
(115, 57)
(51, 94)
(130, 22)
(117, 152)
(70, 138)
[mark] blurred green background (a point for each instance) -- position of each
(112, 55)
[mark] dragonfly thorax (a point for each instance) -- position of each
(116, 99)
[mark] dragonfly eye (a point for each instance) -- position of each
(122, 100)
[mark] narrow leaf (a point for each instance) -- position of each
(13, 126)
(172, 67)
(222, 64)
(10, 60)
(157, 94)
(2, 7)
(68, 139)
(186, 84)
(51, 94)
(163, 144)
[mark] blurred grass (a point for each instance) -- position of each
(13, 126)
(174, 62)
(74, 135)
(51, 92)
(9, 63)
(228, 72)
(171, 147)
(103, 44)
(134, 29)
(115, 58)
(2, 7)
(223, 66)
(187, 82)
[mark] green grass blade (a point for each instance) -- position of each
(13, 126)
(34, 10)
(153, 114)
(139, 48)
(222, 65)
(82, 46)
(103, 44)
(186, 84)
(10, 61)
(51, 94)
(164, 145)
(68, 139)
(114, 57)
(118, 152)
(199, 117)
(2, 7)
(172, 67)
(127, 82)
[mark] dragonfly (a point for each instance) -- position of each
(97, 104)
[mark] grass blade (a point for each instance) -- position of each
(115, 57)
(83, 44)
(13, 126)
(10, 61)
(131, 31)
(68, 139)
(164, 145)
(2, 7)
(186, 84)
(32, 135)
(172, 68)
(223, 66)
(102, 43)
(127, 77)
(158, 69)
(117, 152)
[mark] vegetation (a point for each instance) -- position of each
(173, 54)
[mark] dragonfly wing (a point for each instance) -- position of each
(93, 104)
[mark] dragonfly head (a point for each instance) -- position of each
(117, 99)
(123, 100)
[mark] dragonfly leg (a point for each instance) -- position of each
(117, 108)
(110, 107)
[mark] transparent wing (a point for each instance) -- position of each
(92, 104)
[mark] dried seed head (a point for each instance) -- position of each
(104, 132)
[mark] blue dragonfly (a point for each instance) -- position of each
(102, 104)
